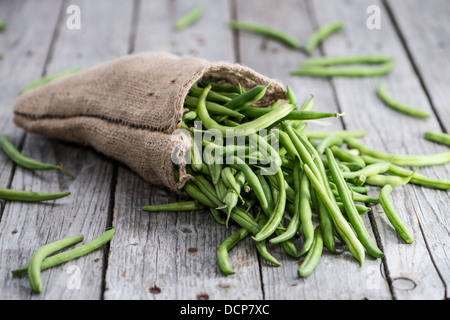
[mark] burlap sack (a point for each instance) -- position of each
(129, 107)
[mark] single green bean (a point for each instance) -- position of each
(49, 78)
(345, 155)
(188, 19)
(392, 214)
(255, 112)
(328, 142)
(312, 258)
(343, 134)
(290, 96)
(30, 196)
(398, 106)
(212, 107)
(233, 194)
(439, 137)
(190, 115)
(349, 72)
(261, 245)
(306, 214)
(175, 206)
(319, 35)
(301, 198)
(278, 213)
(65, 256)
(24, 161)
(369, 170)
(352, 213)
(339, 222)
(267, 31)
(227, 245)
(247, 98)
(34, 265)
(394, 181)
(345, 60)
(196, 91)
(326, 223)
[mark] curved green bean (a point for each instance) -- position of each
(227, 245)
(322, 33)
(256, 112)
(394, 181)
(247, 98)
(267, 31)
(245, 128)
(369, 170)
(392, 214)
(188, 19)
(30, 196)
(343, 134)
(212, 107)
(313, 256)
(398, 106)
(439, 137)
(24, 161)
(65, 256)
(34, 265)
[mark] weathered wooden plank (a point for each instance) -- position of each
(412, 268)
(168, 255)
(428, 46)
(337, 276)
(23, 51)
(424, 27)
(86, 211)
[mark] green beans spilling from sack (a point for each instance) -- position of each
(286, 182)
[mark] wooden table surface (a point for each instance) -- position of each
(164, 255)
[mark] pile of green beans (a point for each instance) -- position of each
(312, 192)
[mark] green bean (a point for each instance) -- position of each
(300, 203)
(418, 179)
(196, 156)
(196, 91)
(349, 72)
(398, 106)
(369, 170)
(290, 96)
(339, 222)
(30, 196)
(267, 190)
(319, 35)
(227, 245)
(306, 214)
(345, 60)
(34, 265)
(221, 88)
(212, 107)
(175, 206)
(356, 196)
(328, 142)
(312, 258)
(308, 105)
(247, 98)
(24, 161)
(190, 115)
(188, 19)
(216, 215)
(234, 192)
(245, 128)
(343, 134)
(267, 31)
(392, 214)
(49, 78)
(394, 181)
(255, 112)
(439, 137)
(352, 213)
(345, 155)
(278, 213)
(3, 25)
(77, 252)
(261, 245)
(252, 180)
(326, 223)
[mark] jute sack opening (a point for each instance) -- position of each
(129, 108)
